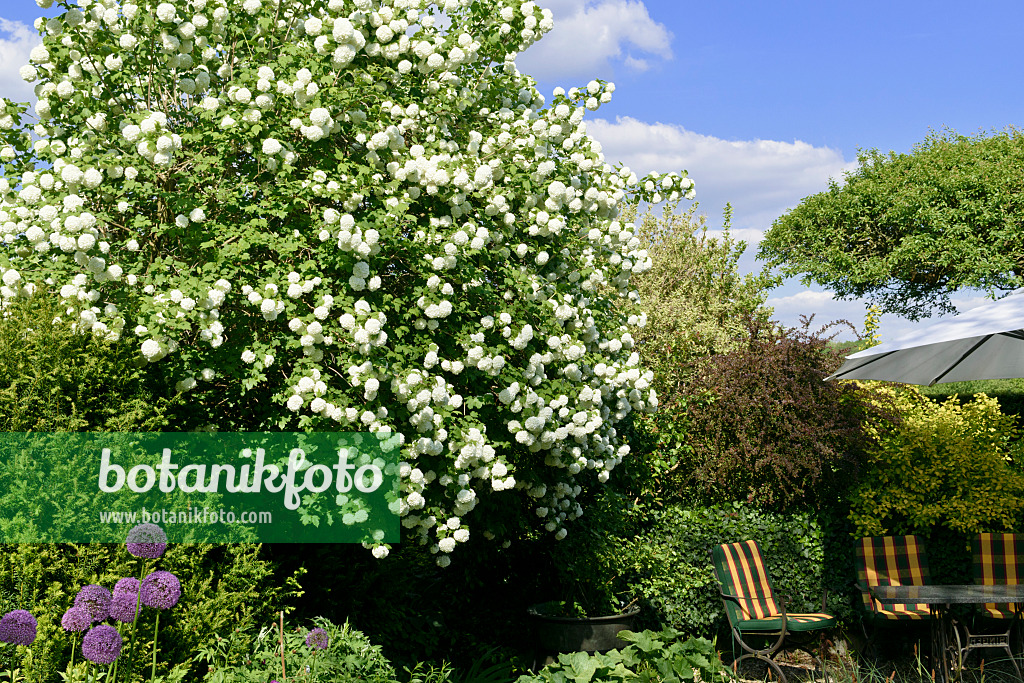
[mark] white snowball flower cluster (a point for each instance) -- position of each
(152, 139)
(397, 235)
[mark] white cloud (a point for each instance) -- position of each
(636, 64)
(788, 308)
(761, 178)
(16, 41)
(749, 235)
(825, 308)
(804, 302)
(590, 35)
(801, 300)
(968, 302)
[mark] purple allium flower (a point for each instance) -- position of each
(161, 590)
(128, 584)
(102, 644)
(76, 619)
(95, 600)
(18, 627)
(317, 639)
(123, 607)
(147, 541)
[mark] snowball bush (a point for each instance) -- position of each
(344, 215)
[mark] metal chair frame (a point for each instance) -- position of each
(999, 639)
(784, 639)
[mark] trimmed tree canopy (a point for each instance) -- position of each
(343, 215)
(906, 230)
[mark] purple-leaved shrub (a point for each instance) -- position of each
(768, 428)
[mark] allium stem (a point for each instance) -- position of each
(156, 627)
(284, 676)
(138, 608)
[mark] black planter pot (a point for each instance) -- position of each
(572, 634)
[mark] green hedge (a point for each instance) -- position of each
(942, 464)
(678, 584)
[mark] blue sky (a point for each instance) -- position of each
(762, 102)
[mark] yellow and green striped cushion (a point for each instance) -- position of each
(741, 570)
(997, 562)
(794, 623)
(892, 561)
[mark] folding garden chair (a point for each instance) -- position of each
(890, 561)
(998, 561)
(756, 612)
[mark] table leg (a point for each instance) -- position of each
(938, 655)
(954, 650)
(946, 650)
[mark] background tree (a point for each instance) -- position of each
(696, 300)
(906, 230)
(343, 215)
(697, 305)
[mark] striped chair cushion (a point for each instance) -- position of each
(741, 570)
(794, 623)
(893, 561)
(997, 562)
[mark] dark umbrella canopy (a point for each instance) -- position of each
(986, 342)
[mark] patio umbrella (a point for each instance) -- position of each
(986, 342)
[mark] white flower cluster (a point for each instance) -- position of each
(12, 285)
(397, 235)
(670, 186)
(152, 140)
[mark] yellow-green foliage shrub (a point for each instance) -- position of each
(54, 379)
(943, 464)
(697, 302)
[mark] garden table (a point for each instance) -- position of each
(938, 599)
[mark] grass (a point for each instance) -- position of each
(906, 668)
(897, 659)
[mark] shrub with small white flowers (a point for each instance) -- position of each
(343, 215)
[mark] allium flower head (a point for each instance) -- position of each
(146, 540)
(317, 639)
(128, 584)
(76, 619)
(102, 644)
(18, 627)
(161, 590)
(95, 600)
(123, 607)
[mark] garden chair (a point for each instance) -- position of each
(998, 561)
(756, 612)
(890, 561)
